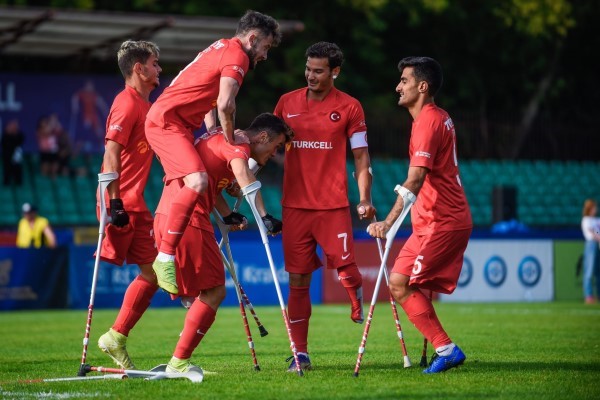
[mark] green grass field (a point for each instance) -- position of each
(514, 351)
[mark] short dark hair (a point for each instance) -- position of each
(425, 69)
(132, 52)
(266, 24)
(331, 51)
(272, 124)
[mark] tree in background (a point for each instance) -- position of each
(514, 80)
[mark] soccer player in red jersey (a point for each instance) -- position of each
(129, 236)
(432, 257)
(200, 273)
(315, 186)
(211, 80)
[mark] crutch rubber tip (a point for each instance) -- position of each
(263, 331)
(300, 372)
(84, 369)
(423, 362)
(355, 375)
(257, 368)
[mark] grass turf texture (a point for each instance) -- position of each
(514, 351)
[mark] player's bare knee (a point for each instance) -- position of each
(213, 297)
(197, 181)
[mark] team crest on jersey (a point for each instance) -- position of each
(142, 147)
(213, 103)
(223, 183)
(335, 116)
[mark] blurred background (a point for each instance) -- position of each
(518, 86)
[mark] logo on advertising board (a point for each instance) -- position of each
(530, 271)
(495, 271)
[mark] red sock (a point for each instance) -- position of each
(421, 313)
(178, 219)
(136, 301)
(198, 321)
(351, 279)
(299, 310)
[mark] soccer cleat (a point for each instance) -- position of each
(165, 275)
(304, 362)
(357, 314)
(113, 344)
(182, 366)
(444, 363)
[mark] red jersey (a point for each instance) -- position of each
(441, 204)
(193, 93)
(125, 125)
(216, 154)
(315, 161)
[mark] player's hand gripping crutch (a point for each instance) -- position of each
(228, 262)
(389, 239)
(249, 193)
(104, 179)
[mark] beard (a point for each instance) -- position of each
(252, 54)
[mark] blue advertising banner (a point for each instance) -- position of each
(252, 270)
(33, 278)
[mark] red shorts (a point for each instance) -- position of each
(304, 229)
(433, 261)
(174, 146)
(134, 242)
(198, 259)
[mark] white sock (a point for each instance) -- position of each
(165, 257)
(445, 350)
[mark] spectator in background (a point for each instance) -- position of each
(12, 153)
(63, 144)
(590, 226)
(34, 230)
(48, 147)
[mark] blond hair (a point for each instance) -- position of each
(588, 204)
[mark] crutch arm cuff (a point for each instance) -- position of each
(253, 187)
(406, 194)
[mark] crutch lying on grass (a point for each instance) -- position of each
(156, 373)
(389, 239)
(249, 193)
(104, 179)
(228, 262)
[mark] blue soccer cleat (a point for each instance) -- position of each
(304, 361)
(444, 363)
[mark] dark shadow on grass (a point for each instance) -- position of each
(471, 365)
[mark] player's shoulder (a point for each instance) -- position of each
(346, 99)
(294, 94)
